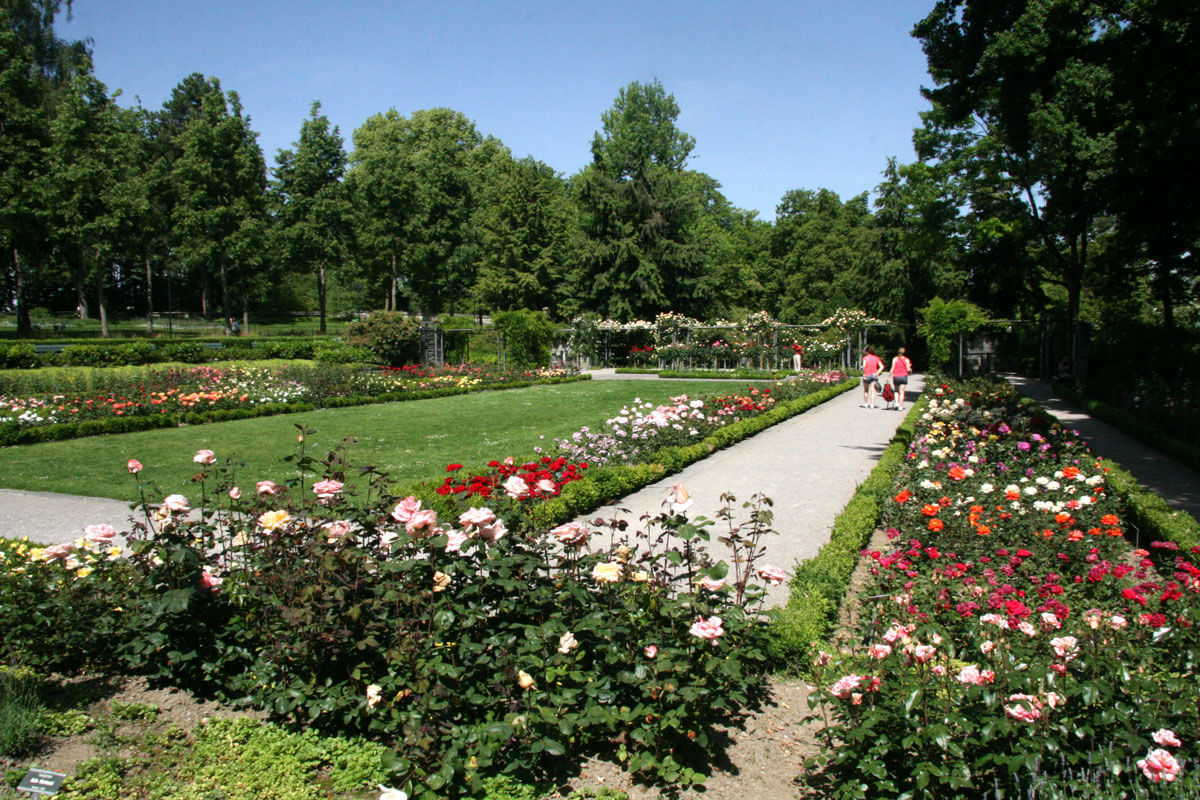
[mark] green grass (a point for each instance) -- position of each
(411, 441)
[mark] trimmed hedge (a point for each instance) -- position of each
(740, 374)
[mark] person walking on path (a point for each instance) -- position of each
(872, 366)
(901, 367)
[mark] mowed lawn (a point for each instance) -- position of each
(411, 441)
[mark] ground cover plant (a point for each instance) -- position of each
(1018, 639)
(46, 407)
(411, 441)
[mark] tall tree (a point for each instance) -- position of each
(220, 181)
(314, 213)
(1028, 86)
(34, 64)
(523, 222)
(413, 183)
(636, 255)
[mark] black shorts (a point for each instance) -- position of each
(899, 380)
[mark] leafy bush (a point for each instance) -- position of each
(20, 356)
(332, 352)
(528, 336)
(20, 712)
(391, 336)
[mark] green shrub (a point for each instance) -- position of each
(391, 336)
(20, 712)
(21, 356)
(334, 352)
(187, 352)
(528, 336)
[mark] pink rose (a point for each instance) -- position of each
(567, 643)
(134, 466)
(476, 517)
(327, 490)
(651, 651)
(455, 539)
(210, 581)
(879, 651)
(1065, 647)
(571, 534)
(845, 685)
(336, 531)
(270, 488)
(546, 486)
(1166, 738)
(175, 503)
(1025, 708)
(709, 629)
(514, 487)
(204, 457)
(710, 584)
(405, 509)
(771, 574)
(421, 522)
(1159, 765)
(494, 532)
(99, 534)
(57, 551)
(972, 675)
(679, 499)
(235, 493)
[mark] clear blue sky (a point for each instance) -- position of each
(779, 95)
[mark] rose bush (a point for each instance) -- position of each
(1015, 642)
(468, 647)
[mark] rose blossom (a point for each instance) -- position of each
(572, 534)
(235, 493)
(134, 466)
(679, 499)
(1066, 647)
(270, 488)
(494, 532)
(210, 581)
(175, 503)
(373, 695)
(651, 651)
(441, 582)
(607, 572)
(455, 540)
(974, 676)
(771, 574)
(476, 516)
(567, 643)
(711, 584)
(845, 685)
(57, 551)
(545, 486)
(1166, 738)
(709, 629)
(336, 531)
(1159, 765)
(515, 486)
(99, 534)
(327, 490)
(879, 651)
(422, 521)
(525, 680)
(274, 520)
(1026, 708)
(204, 457)
(405, 509)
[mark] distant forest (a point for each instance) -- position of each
(1054, 178)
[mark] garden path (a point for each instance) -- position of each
(810, 466)
(1172, 480)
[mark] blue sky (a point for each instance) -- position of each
(778, 95)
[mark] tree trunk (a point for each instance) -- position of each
(204, 306)
(321, 294)
(224, 275)
(24, 323)
(149, 300)
(1165, 269)
(100, 307)
(81, 303)
(392, 288)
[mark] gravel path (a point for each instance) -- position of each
(810, 467)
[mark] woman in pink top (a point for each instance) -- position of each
(872, 365)
(901, 367)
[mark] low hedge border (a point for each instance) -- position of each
(1131, 424)
(819, 586)
(608, 484)
(12, 434)
(711, 374)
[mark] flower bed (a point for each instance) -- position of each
(159, 398)
(1014, 642)
(469, 642)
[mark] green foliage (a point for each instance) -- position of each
(20, 712)
(394, 338)
(528, 336)
(343, 353)
(942, 322)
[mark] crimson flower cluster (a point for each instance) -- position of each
(542, 478)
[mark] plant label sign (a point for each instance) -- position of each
(41, 782)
